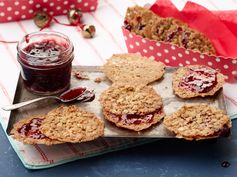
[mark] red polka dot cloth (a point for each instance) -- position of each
(15, 10)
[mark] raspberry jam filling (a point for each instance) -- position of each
(135, 118)
(31, 129)
(224, 132)
(46, 66)
(199, 79)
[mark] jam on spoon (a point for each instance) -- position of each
(80, 94)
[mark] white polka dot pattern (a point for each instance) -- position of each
(176, 56)
(20, 10)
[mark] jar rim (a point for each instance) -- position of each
(70, 48)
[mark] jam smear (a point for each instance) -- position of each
(224, 132)
(31, 129)
(135, 118)
(87, 96)
(199, 79)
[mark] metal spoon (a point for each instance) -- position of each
(85, 96)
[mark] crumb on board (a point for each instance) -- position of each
(81, 75)
(98, 80)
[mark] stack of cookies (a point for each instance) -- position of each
(147, 24)
(63, 124)
(132, 107)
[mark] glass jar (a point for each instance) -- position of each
(46, 62)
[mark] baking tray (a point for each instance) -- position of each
(163, 87)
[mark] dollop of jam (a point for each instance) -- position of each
(31, 129)
(135, 118)
(81, 93)
(199, 79)
(72, 93)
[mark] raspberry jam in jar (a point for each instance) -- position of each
(46, 62)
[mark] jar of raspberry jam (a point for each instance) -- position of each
(46, 62)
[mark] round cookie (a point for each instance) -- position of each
(133, 69)
(196, 80)
(198, 121)
(127, 99)
(134, 108)
(27, 131)
(72, 124)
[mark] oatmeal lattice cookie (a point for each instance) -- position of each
(196, 80)
(27, 131)
(147, 24)
(200, 121)
(133, 68)
(134, 108)
(72, 124)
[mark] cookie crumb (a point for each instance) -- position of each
(81, 75)
(98, 80)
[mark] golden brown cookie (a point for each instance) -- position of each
(132, 107)
(133, 69)
(147, 24)
(199, 121)
(196, 80)
(27, 131)
(72, 124)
